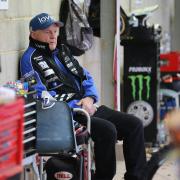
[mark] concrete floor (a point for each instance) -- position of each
(166, 172)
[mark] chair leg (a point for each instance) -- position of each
(41, 168)
(81, 177)
(36, 170)
(26, 175)
(89, 160)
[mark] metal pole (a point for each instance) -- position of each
(130, 3)
(118, 53)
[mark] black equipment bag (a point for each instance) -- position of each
(60, 168)
(94, 17)
(76, 32)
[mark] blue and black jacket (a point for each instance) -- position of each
(57, 72)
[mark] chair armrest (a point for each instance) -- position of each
(84, 112)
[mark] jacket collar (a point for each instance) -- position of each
(41, 46)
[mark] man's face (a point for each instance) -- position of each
(48, 35)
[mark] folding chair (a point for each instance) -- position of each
(56, 134)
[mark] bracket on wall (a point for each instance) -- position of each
(3, 4)
(0, 63)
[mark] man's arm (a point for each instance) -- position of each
(90, 96)
(89, 87)
(27, 70)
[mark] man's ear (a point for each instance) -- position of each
(32, 34)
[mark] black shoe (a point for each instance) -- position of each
(132, 177)
(156, 161)
(95, 178)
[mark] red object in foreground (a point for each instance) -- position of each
(11, 138)
(170, 61)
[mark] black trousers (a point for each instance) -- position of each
(108, 126)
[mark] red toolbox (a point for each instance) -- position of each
(11, 138)
(170, 62)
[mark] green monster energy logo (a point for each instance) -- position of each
(140, 79)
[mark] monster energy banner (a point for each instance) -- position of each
(140, 93)
(140, 85)
(140, 90)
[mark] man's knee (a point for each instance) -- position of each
(139, 123)
(109, 133)
(136, 123)
(112, 133)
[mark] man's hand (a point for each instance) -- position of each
(87, 104)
